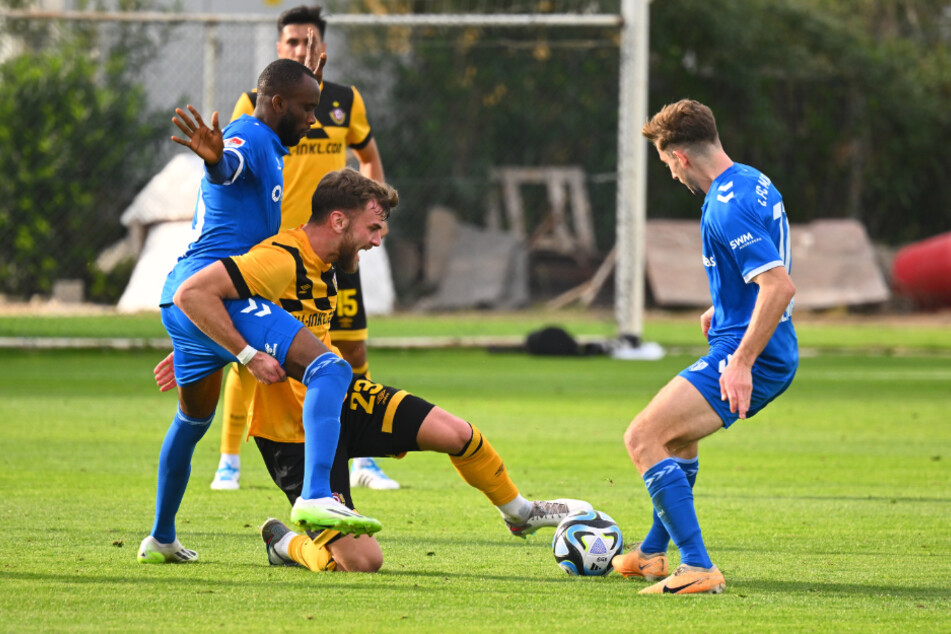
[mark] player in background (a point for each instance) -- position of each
(238, 205)
(376, 420)
(341, 123)
(753, 352)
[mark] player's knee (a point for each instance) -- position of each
(359, 555)
(369, 563)
(458, 434)
(635, 439)
(328, 367)
(443, 432)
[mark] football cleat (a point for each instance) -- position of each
(546, 513)
(152, 551)
(272, 532)
(649, 566)
(365, 472)
(689, 580)
(226, 478)
(330, 514)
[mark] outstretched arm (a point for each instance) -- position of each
(200, 298)
(776, 290)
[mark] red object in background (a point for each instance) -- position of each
(922, 272)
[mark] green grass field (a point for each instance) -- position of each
(830, 511)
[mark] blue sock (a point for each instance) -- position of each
(175, 465)
(657, 537)
(327, 379)
(673, 499)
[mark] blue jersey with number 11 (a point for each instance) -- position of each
(745, 232)
(233, 216)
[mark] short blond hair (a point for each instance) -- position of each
(685, 122)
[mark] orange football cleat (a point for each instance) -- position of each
(649, 566)
(689, 580)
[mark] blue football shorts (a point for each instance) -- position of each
(265, 325)
(770, 379)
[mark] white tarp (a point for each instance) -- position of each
(163, 246)
(169, 196)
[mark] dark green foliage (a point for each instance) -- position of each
(76, 144)
(107, 287)
(846, 114)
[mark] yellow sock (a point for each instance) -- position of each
(239, 389)
(307, 553)
(482, 467)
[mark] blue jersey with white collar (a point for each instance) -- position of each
(745, 232)
(234, 215)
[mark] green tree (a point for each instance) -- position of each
(77, 142)
(843, 104)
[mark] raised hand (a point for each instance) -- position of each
(312, 60)
(204, 141)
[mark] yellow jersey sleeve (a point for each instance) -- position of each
(358, 134)
(266, 270)
(244, 106)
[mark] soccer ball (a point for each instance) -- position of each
(586, 542)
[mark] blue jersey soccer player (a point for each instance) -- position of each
(238, 206)
(753, 352)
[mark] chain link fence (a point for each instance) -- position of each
(87, 106)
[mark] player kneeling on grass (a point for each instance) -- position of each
(376, 420)
(379, 420)
(225, 311)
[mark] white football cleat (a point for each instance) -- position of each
(365, 472)
(152, 551)
(228, 474)
(546, 513)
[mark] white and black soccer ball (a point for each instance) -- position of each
(585, 543)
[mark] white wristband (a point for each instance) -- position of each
(244, 357)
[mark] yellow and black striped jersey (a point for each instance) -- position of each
(341, 123)
(285, 270)
(311, 295)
